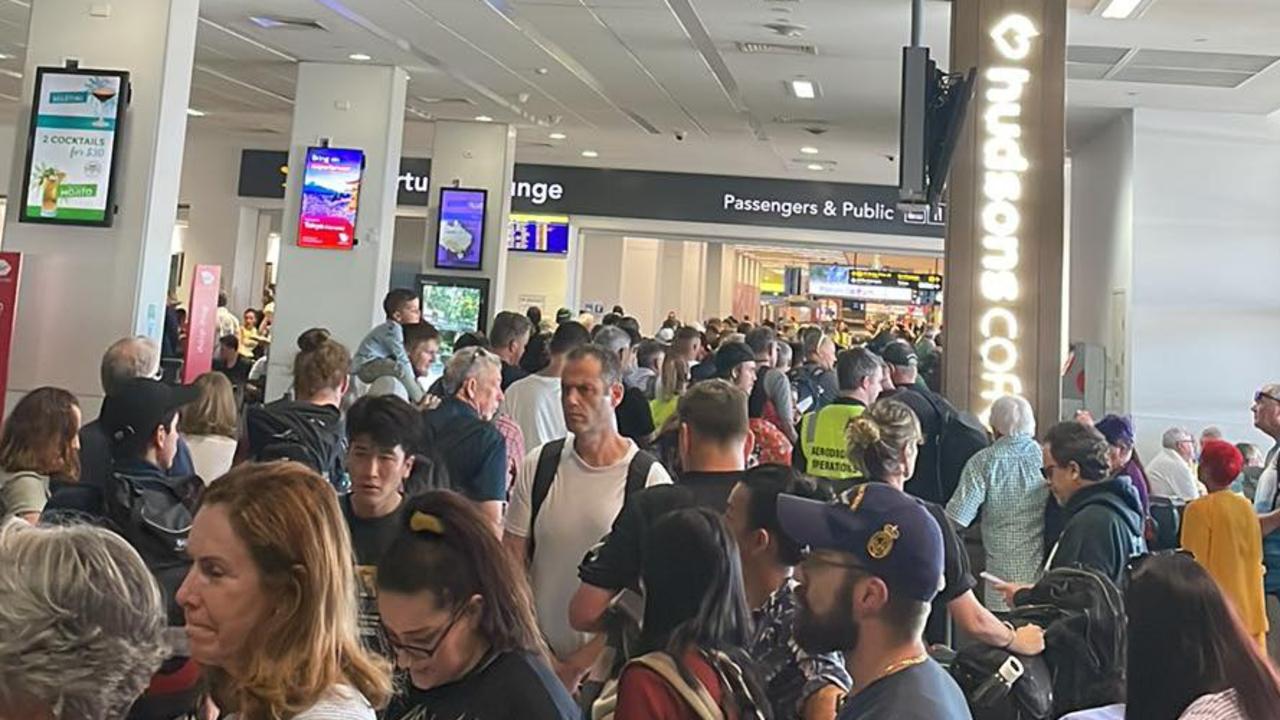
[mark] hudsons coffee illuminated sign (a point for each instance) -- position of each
(1004, 165)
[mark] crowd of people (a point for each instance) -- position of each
(725, 519)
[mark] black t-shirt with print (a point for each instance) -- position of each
(507, 686)
(370, 539)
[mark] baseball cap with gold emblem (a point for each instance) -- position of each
(888, 533)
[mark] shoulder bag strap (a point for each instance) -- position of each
(548, 464)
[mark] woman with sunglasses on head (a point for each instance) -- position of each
(884, 443)
(460, 619)
(270, 600)
(1189, 658)
(696, 626)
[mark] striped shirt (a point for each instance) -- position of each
(1004, 482)
(1218, 706)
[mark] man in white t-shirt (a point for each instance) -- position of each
(581, 498)
(534, 402)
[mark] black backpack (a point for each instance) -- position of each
(999, 685)
(154, 515)
(278, 432)
(810, 395)
(1082, 613)
(548, 464)
(960, 437)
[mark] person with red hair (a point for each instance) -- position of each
(1221, 530)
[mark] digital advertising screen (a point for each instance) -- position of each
(70, 165)
(454, 306)
(460, 230)
(547, 234)
(330, 198)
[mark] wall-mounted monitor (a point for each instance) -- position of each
(454, 305)
(330, 198)
(71, 143)
(548, 234)
(460, 228)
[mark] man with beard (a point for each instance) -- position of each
(871, 569)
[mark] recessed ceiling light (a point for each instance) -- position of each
(590, 154)
(557, 136)
(541, 70)
(816, 166)
(1120, 9)
(809, 150)
(359, 56)
(483, 118)
(5, 56)
(803, 89)
(195, 113)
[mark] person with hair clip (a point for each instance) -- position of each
(884, 444)
(693, 662)
(41, 438)
(270, 600)
(308, 427)
(460, 619)
(1189, 658)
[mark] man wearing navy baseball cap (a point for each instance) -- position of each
(872, 566)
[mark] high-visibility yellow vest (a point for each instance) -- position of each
(823, 440)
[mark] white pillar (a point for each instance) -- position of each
(84, 288)
(480, 156)
(353, 106)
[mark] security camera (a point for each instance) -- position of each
(681, 135)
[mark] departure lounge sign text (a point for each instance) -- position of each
(1003, 163)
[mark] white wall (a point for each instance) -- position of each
(538, 274)
(1101, 247)
(1205, 316)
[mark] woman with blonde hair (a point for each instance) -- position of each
(673, 380)
(209, 424)
(41, 438)
(884, 443)
(270, 601)
(81, 623)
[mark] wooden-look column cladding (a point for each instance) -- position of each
(1004, 246)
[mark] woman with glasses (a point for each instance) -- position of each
(270, 600)
(460, 619)
(1189, 658)
(1122, 456)
(884, 443)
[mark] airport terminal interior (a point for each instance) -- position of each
(343, 344)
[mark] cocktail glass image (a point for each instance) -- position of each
(50, 179)
(103, 94)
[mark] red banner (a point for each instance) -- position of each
(10, 264)
(202, 320)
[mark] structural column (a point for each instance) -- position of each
(83, 287)
(481, 156)
(349, 106)
(1004, 245)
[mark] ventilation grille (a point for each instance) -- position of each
(445, 100)
(281, 22)
(1164, 67)
(768, 48)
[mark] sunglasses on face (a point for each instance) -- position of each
(1260, 396)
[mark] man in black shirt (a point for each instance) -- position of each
(715, 440)
(635, 420)
(508, 338)
(382, 432)
(926, 481)
(230, 362)
(873, 565)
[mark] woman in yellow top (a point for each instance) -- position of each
(1221, 530)
(250, 336)
(671, 385)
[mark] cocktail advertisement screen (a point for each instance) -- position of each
(330, 198)
(460, 230)
(539, 234)
(70, 167)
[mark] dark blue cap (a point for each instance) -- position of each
(889, 533)
(1117, 429)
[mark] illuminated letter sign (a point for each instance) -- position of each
(1003, 164)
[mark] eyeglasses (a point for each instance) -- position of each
(424, 651)
(1262, 395)
(1047, 471)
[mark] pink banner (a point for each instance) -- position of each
(202, 320)
(10, 264)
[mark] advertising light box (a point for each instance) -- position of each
(330, 198)
(460, 229)
(70, 165)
